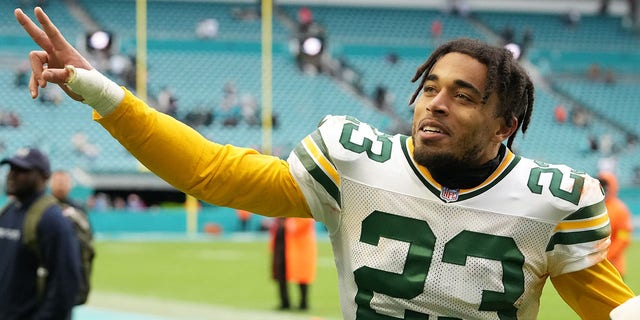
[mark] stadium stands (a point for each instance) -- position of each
(197, 70)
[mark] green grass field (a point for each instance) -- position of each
(236, 274)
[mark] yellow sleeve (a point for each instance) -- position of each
(222, 175)
(593, 292)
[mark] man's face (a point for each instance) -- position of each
(451, 125)
(60, 184)
(22, 182)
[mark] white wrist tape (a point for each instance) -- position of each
(98, 91)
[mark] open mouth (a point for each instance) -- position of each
(430, 129)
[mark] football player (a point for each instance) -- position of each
(447, 223)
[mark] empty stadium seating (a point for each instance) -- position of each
(197, 70)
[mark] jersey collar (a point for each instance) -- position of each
(448, 195)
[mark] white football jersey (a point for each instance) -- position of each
(408, 248)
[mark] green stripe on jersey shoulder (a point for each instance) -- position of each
(591, 211)
(569, 238)
(316, 171)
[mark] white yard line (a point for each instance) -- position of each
(149, 308)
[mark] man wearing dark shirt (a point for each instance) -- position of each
(57, 258)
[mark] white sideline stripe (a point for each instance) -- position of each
(104, 305)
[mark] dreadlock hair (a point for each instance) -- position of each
(505, 76)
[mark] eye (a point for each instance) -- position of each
(463, 97)
(430, 90)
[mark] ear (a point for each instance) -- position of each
(506, 130)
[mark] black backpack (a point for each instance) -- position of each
(83, 231)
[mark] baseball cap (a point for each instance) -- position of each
(30, 159)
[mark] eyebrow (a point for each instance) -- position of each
(459, 83)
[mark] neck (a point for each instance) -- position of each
(28, 197)
(461, 177)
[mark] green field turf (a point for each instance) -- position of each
(236, 274)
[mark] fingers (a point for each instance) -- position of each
(38, 60)
(33, 86)
(49, 65)
(38, 36)
(54, 37)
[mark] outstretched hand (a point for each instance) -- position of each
(48, 65)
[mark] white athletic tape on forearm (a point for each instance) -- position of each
(98, 91)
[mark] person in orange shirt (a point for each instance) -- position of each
(243, 217)
(620, 220)
(294, 247)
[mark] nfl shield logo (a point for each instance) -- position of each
(449, 195)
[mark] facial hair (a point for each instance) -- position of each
(456, 172)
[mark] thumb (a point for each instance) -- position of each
(58, 76)
(61, 77)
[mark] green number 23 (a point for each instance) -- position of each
(421, 239)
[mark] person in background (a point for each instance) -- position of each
(41, 282)
(294, 248)
(135, 203)
(243, 217)
(620, 219)
(447, 222)
(61, 184)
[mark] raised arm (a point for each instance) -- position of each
(223, 175)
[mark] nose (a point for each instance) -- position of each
(439, 104)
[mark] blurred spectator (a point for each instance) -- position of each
(382, 98)
(249, 109)
(119, 203)
(21, 77)
(99, 202)
(305, 19)
(294, 247)
(392, 58)
(632, 12)
(458, 7)
(9, 119)
(606, 144)
(436, 29)
(579, 117)
(61, 184)
(527, 42)
(229, 109)
(560, 113)
(636, 176)
(207, 28)
(36, 240)
(593, 143)
(507, 34)
(609, 77)
(51, 95)
(200, 116)
(593, 72)
(631, 141)
(83, 146)
(608, 163)
(243, 217)
(604, 7)
(167, 102)
(250, 13)
(135, 203)
(122, 67)
(572, 17)
(620, 222)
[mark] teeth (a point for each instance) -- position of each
(431, 129)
